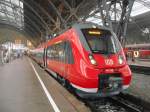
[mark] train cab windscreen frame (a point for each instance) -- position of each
(101, 41)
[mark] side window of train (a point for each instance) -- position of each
(68, 53)
(44, 54)
(49, 52)
(61, 52)
(56, 52)
(38, 54)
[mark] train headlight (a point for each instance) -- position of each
(92, 60)
(120, 59)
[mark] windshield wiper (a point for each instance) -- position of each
(111, 52)
(103, 52)
(100, 51)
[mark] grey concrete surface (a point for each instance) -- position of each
(20, 90)
(62, 97)
(140, 86)
(140, 63)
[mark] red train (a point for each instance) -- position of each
(138, 51)
(87, 57)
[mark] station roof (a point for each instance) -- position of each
(138, 45)
(141, 21)
(39, 18)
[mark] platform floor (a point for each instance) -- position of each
(21, 91)
(140, 63)
(140, 86)
(0, 61)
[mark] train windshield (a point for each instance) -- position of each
(101, 41)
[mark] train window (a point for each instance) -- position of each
(56, 52)
(101, 41)
(50, 52)
(60, 56)
(68, 53)
(60, 52)
(39, 54)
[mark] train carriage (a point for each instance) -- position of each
(90, 59)
(138, 51)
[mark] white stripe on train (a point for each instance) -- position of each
(92, 90)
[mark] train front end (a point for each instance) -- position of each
(105, 71)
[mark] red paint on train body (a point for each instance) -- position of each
(142, 51)
(90, 58)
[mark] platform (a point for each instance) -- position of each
(21, 90)
(139, 63)
(140, 87)
(142, 67)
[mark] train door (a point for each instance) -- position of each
(68, 58)
(65, 60)
(45, 57)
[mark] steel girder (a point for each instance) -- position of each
(14, 28)
(67, 13)
(114, 17)
(145, 3)
(43, 20)
(6, 12)
(63, 13)
(36, 21)
(35, 15)
(6, 6)
(31, 24)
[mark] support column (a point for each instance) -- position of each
(115, 15)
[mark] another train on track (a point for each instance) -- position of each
(88, 58)
(138, 51)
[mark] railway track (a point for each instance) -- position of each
(120, 103)
(140, 69)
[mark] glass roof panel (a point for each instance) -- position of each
(11, 11)
(2, 14)
(16, 2)
(139, 7)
